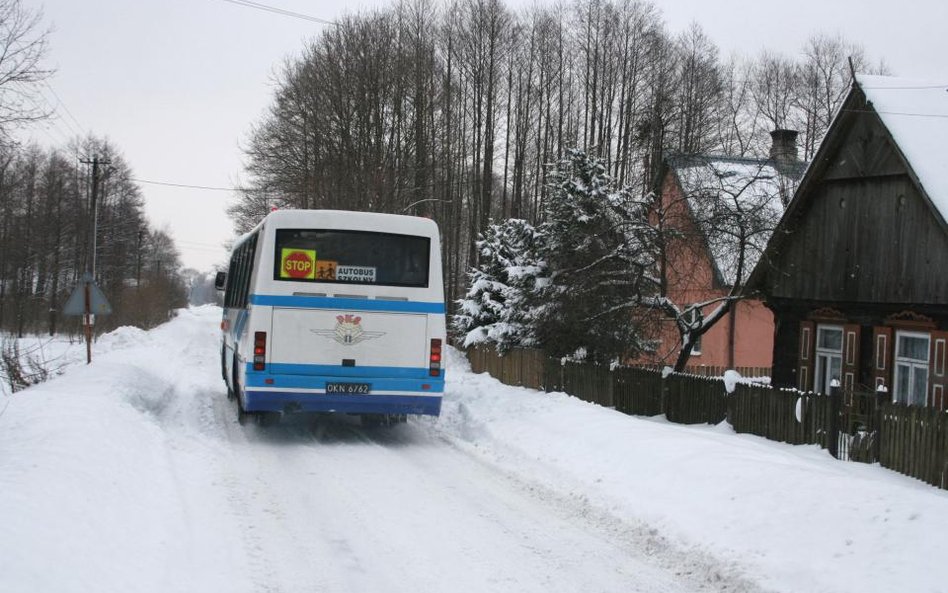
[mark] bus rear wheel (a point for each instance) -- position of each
(242, 415)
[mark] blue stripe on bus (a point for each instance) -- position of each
(313, 302)
(335, 370)
(278, 401)
(318, 381)
(376, 384)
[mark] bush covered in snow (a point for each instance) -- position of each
(499, 305)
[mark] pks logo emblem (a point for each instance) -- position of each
(348, 331)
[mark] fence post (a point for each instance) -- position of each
(833, 444)
(663, 402)
(882, 396)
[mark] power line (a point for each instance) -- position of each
(65, 108)
(186, 186)
(906, 88)
(34, 98)
(901, 113)
(216, 188)
(281, 11)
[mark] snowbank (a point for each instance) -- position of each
(132, 474)
(791, 517)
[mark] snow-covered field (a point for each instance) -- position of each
(132, 475)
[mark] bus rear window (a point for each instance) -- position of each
(351, 257)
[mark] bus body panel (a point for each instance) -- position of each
(332, 333)
(305, 337)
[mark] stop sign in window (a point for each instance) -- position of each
(298, 264)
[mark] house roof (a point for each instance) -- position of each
(724, 193)
(916, 114)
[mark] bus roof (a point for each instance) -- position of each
(349, 219)
(392, 223)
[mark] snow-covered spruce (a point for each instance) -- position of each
(500, 305)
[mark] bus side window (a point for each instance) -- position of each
(231, 280)
(238, 277)
(247, 268)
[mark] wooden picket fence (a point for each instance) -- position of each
(691, 399)
(772, 414)
(703, 370)
(914, 441)
(523, 367)
(638, 392)
(907, 439)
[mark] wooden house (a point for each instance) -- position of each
(856, 273)
(701, 199)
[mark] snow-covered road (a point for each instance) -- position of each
(401, 510)
(133, 475)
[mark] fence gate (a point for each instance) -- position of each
(858, 425)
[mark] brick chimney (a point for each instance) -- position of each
(783, 149)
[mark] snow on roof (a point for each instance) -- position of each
(735, 197)
(916, 114)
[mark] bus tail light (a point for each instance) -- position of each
(259, 350)
(434, 361)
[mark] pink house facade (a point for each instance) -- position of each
(700, 268)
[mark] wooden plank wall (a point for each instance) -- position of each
(694, 400)
(637, 391)
(772, 414)
(910, 440)
(718, 371)
(914, 441)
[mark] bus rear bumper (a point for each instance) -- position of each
(263, 400)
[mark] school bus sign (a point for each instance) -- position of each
(298, 264)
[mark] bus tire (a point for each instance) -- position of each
(230, 389)
(242, 415)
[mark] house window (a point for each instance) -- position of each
(911, 368)
(829, 357)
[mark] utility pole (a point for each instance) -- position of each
(96, 162)
(138, 260)
(88, 320)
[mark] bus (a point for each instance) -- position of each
(334, 311)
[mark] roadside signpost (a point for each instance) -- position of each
(87, 300)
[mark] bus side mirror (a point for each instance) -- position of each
(220, 280)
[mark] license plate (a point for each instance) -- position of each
(348, 388)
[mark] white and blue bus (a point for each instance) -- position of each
(334, 311)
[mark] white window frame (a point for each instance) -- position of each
(913, 364)
(821, 383)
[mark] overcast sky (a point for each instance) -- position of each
(177, 84)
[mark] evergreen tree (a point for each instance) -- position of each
(498, 307)
(596, 261)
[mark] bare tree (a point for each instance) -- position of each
(774, 84)
(739, 124)
(823, 79)
(23, 47)
(698, 93)
(718, 224)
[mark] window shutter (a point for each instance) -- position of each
(938, 370)
(882, 357)
(805, 356)
(850, 356)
